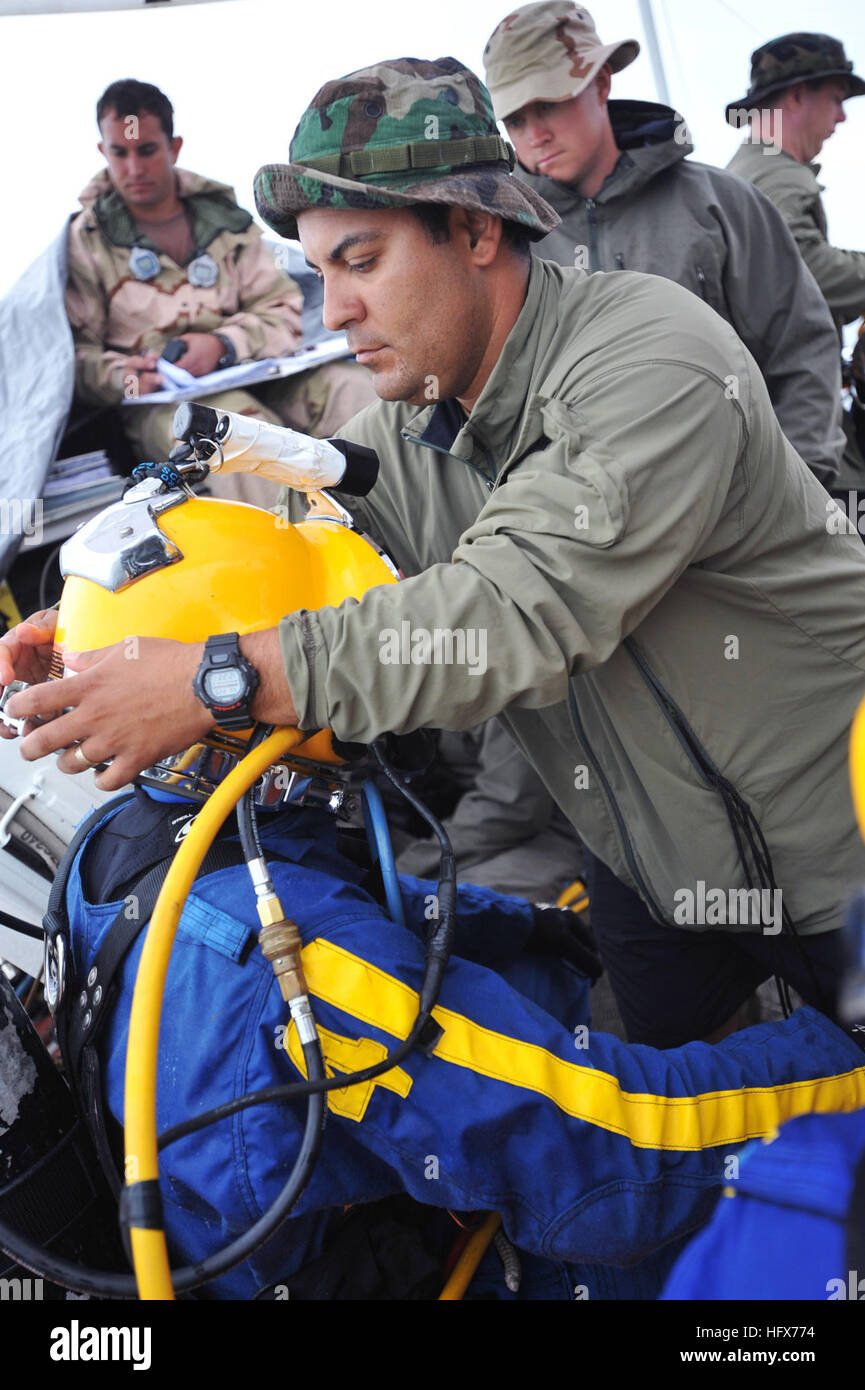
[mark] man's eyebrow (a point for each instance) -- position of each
(356, 239)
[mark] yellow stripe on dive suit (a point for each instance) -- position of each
(350, 1054)
(684, 1123)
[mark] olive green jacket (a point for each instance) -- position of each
(794, 190)
(656, 582)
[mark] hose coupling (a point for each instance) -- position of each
(280, 942)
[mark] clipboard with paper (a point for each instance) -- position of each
(183, 386)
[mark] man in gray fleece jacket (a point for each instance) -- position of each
(629, 199)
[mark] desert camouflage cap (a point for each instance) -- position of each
(403, 131)
(547, 52)
(794, 58)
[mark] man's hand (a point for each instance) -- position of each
(142, 366)
(203, 351)
(25, 653)
(132, 702)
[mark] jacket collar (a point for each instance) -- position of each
(212, 207)
(499, 422)
(753, 151)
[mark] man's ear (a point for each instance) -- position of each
(484, 232)
(603, 80)
(176, 146)
(795, 94)
(101, 148)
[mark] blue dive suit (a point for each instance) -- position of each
(793, 1226)
(592, 1149)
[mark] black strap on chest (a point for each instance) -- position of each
(86, 1004)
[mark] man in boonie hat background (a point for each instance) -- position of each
(616, 172)
(585, 484)
(799, 84)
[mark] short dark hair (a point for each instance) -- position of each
(127, 97)
(435, 217)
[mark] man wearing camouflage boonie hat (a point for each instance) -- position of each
(453, 123)
(584, 477)
(541, 491)
(799, 84)
(618, 175)
(402, 133)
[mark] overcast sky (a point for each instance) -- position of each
(240, 73)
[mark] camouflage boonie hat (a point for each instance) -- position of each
(547, 52)
(404, 131)
(794, 58)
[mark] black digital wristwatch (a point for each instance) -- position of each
(229, 352)
(225, 682)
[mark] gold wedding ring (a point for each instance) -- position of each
(81, 757)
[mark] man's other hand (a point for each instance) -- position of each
(203, 351)
(25, 653)
(132, 703)
(143, 366)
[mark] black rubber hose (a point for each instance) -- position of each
(438, 951)
(25, 928)
(108, 1285)
(246, 818)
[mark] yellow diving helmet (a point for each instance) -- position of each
(171, 564)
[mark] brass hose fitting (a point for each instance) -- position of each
(280, 942)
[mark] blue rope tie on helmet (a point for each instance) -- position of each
(165, 472)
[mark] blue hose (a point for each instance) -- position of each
(382, 850)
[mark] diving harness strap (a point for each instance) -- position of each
(83, 1005)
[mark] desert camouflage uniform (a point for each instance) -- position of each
(253, 303)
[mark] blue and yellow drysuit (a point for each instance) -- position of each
(592, 1150)
(792, 1222)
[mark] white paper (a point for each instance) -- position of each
(243, 374)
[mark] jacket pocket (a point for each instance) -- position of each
(596, 478)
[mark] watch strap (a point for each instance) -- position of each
(229, 354)
(223, 652)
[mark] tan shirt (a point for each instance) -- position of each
(173, 235)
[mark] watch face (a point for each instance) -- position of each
(224, 687)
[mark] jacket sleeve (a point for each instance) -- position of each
(570, 553)
(98, 370)
(840, 274)
(268, 322)
(781, 316)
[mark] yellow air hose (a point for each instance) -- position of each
(149, 1251)
(575, 896)
(857, 766)
(464, 1269)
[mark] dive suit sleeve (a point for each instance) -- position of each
(591, 1148)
